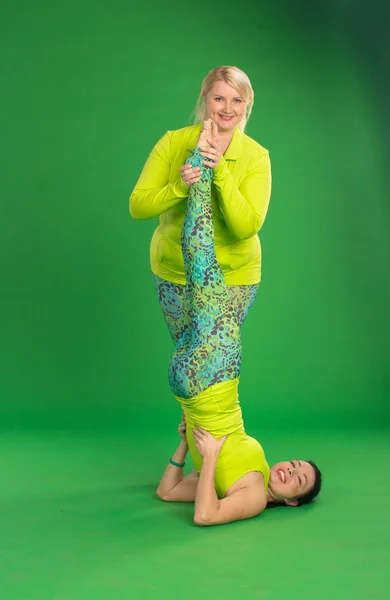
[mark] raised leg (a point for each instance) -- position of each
(171, 299)
(210, 350)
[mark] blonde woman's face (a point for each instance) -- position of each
(224, 106)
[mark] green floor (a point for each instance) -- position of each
(88, 89)
(79, 521)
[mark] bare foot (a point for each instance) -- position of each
(214, 132)
(205, 134)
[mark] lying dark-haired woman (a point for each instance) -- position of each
(232, 479)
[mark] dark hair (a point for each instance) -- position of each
(315, 490)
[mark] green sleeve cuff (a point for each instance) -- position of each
(221, 171)
(181, 188)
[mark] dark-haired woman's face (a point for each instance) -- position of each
(289, 480)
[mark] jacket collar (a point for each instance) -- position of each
(234, 150)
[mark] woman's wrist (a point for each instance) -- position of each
(211, 458)
(179, 456)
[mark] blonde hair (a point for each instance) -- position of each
(234, 77)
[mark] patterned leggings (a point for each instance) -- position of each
(171, 298)
(208, 350)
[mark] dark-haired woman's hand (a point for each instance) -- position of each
(182, 429)
(206, 443)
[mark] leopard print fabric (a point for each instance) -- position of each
(171, 297)
(208, 350)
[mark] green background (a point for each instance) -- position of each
(87, 417)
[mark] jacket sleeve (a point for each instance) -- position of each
(153, 194)
(244, 208)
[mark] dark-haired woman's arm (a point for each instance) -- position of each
(174, 486)
(245, 503)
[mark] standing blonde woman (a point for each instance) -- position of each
(240, 195)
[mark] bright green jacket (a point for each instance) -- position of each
(240, 196)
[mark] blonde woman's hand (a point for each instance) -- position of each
(206, 443)
(190, 175)
(212, 153)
